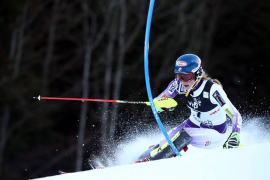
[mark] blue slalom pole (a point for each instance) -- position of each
(147, 80)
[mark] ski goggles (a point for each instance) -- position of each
(184, 77)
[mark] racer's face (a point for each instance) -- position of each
(188, 84)
(187, 79)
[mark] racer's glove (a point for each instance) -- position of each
(233, 141)
(159, 110)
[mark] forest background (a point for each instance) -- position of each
(94, 49)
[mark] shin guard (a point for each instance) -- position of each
(180, 140)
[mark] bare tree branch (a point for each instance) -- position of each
(108, 76)
(3, 138)
(87, 61)
(20, 42)
(50, 46)
(120, 64)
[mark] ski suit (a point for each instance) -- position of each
(210, 110)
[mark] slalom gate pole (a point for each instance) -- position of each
(147, 80)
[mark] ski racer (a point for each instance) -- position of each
(210, 110)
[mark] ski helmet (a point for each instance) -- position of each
(188, 67)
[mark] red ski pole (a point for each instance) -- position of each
(162, 102)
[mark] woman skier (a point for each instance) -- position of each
(210, 110)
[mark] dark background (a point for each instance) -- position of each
(94, 49)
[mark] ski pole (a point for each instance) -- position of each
(161, 103)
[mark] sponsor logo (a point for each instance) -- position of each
(206, 94)
(195, 103)
(172, 87)
(179, 69)
(163, 99)
(207, 143)
(181, 63)
(208, 123)
(218, 98)
(214, 112)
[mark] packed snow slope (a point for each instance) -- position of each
(249, 162)
(245, 163)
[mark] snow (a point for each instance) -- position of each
(249, 162)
